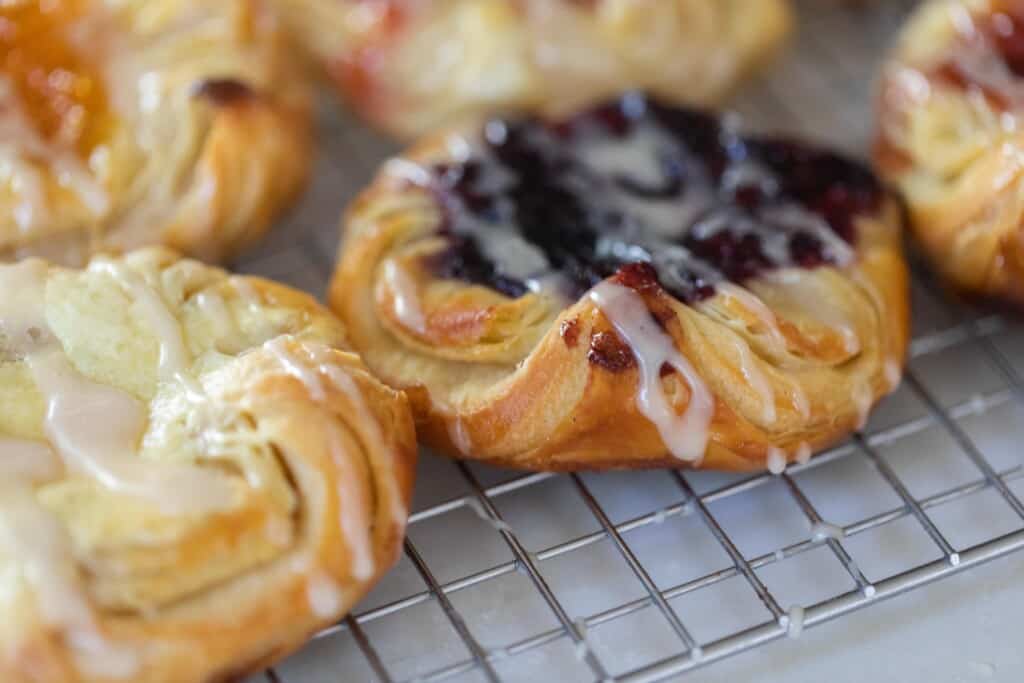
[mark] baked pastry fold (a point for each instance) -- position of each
(951, 106)
(412, 66)
(124, 124)
(635, 286)
(196, 477)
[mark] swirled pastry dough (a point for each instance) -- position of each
(410, 65)
(635, 286)
(950, 116)
(125, 123)
(193, 478)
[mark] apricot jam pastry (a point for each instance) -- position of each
(410, 66)
(122, 124)
(637, 285)
(194, 477)
(949, 137)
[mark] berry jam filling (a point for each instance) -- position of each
(560, 207)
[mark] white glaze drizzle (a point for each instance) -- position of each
(686, 435)
(756, 379)
(32, 462)
(459, 436)
(96, 430)
(776, 460)
(804, 453)
(893, 374)
(406, 300)
(821, 531)
(310, 369)
(324, 596)
(296, 367)
(863, 398)
(352, 518)
(794, 623)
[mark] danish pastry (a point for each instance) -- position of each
(194, 477)
(410, 66)
(634, 286)
(949, 137)
(129, 123)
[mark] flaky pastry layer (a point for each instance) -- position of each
(196, 475)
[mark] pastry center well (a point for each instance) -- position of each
(559, 207)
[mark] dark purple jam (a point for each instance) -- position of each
(562, 206)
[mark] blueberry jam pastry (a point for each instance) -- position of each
(635, 286)
(194, 476)
(135, 122)
(950, 137)
(410, 66)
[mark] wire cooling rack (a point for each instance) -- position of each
(648, 576)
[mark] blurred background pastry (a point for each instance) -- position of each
(951, 108)
(409, 66)
(122, 124)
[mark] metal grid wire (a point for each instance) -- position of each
(820, 87)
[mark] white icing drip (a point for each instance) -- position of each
(310, 368)
(352, 518)
(213, 306)
(96, 428)
(175, 359)
(685, 436)
(324, 595)
(863, 399)
(498, 525)
(296, 367)
(795, 621)
(403, 291)
(893, 374)
(33, 462)
(344, 383)
(639, 160)
(756, 379)
(459, 436)
(803, 453)
(776, 460)
(821, 531)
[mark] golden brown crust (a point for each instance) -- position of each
(183, 123)
(410, 67)
(515, 382)
(321, 459)
(949, 110)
